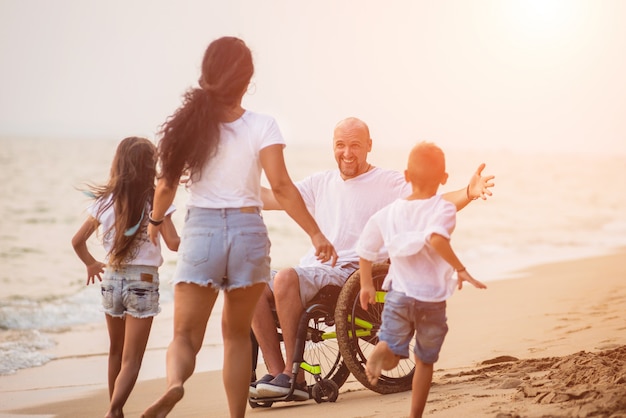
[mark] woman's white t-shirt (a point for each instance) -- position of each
(232, 177)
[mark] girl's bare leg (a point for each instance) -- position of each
(115, 326)
(239, 305)
(192, 307)
(137, 331)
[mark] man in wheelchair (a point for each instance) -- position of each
(341, 200)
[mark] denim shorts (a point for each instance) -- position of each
(404, 316)
(132, 290)
(223, 248)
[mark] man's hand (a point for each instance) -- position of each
(479, 186)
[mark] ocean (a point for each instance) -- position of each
(544, 208)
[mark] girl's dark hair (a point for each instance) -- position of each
(131, 192)
(190, 136)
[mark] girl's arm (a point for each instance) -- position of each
(79, 242)
(169, 233)
(163, 197)
(478, 187)
(290, 200)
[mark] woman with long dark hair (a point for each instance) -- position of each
(222, 148)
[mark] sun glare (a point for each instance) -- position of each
(542, 20)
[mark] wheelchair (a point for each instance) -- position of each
(335, 336)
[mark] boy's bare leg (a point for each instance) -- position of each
(382, 358)
(421, 386)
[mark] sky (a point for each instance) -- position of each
(517, 75)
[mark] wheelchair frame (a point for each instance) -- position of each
(334, 337)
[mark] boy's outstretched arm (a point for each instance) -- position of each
(441, 244)
(478, 187)
(368, 292)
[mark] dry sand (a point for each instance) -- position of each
(551, 343)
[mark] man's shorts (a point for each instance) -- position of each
(313, 278)
(132, 290)
(404, 316)
(223, 248)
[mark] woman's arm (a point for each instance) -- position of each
(290, 200)
(163, 198)
(169, 233)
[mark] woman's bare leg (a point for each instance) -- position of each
(239, 305)
(192, 308)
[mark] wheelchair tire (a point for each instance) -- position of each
(355, 349)
(324, 352)
(325, 391)
(260, 404)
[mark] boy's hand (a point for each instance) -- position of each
(367, 296)
(479, 185)
(464, 276)
(94, 270)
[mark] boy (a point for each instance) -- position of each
(416, 233)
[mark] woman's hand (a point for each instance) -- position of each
(324, 250)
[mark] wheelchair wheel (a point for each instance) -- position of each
(321, 348)
(357, 334)
(325, 391)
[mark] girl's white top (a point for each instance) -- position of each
(404, 228)
(148, 254)
(232, 177)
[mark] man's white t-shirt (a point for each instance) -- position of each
(148, 254)
(342, 207)
(232, 177)
(404, 228)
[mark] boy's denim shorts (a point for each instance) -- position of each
(223, 248)
(404, 316)
(132, 290)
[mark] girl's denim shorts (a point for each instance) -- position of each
(223, 248)
(132, 290)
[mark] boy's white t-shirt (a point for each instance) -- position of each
(342, 207)
(404, 228)
(148, 254)
(232, 177)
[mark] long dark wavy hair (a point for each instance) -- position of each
(190, 136)
(130, 188)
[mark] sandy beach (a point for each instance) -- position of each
(549, 343)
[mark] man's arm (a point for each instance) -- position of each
(478, 187)
(269, 200)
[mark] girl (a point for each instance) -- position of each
(224, 243)
(130, 286)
